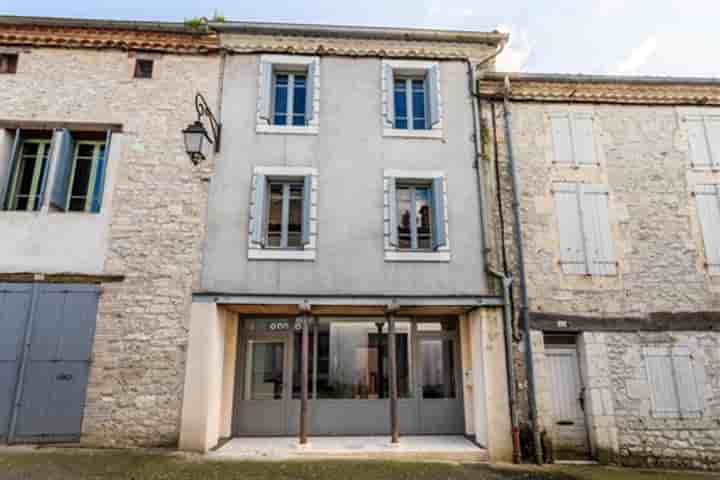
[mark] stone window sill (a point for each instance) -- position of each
(277, 254)
(405, 256)
(285, 130)
(435, 134)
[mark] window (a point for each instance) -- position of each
(282, 218)
(8, 62)
(28, 173)
(708, 204)
(289, 99)
(676, 382)
(573, 138)
(143, 68)
(411, 98)
(704, 136)
(414, 229)
(288, 94)
(584, 228)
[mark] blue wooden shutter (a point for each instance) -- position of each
(46, 172)
(437, 209)
(433, 92)
(310, 93)
(562, 139)
(258, 220)
(389, 88)
(708, 204)
(699, 145)
(572, 244)
(13, 160)
(61, 185)
(659, 367)
(265, 94)
(306, 209)
(596, 227)
(689, 389)
(583, 139)
(392, 210)
(100, 176)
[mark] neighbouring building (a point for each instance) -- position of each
(619, 204)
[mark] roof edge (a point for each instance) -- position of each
(603, 79)
(138, 25)
(348, 31)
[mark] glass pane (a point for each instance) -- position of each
(418, 99)
(81, 182)
(281, 99)
(295, 216)
(353, 359)
(299, 100)
(274, 228)
(404, 206)
(25, 178)
(400, 104)
(438, 368)
(422, 216)
(86, 150)
(265, 379)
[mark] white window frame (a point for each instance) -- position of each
(92, 180)
(712, 155)
(309, 251)
(44, 148)
(697, 377)
(287, 64)
(410, 69)
(290, 98)
(395, 254)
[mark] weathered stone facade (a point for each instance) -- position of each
(156, 227)
(643, 158)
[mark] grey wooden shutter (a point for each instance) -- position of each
(712, 129)
(306, 209)
(310, 93)
(658, 364)
(265, 94)
(596, 229)
(562, 139)
(258, 220)
(699, 148)
(61, 184)
(392, 210)
(100, 176)
(708, 203)
(437, 209)
(433, 91)
(13, 161)
(389, 88)
(583, 139)
(572, 246)
(689, 392)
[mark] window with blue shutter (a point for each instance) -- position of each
(29, 160)
(676, 382)
(417, 214)
(287, 92)
(411, 95)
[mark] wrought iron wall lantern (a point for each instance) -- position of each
(195, 135)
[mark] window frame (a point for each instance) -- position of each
(284, 212)
(39, 175)
(12, 59)
(409, 90)
(289, 113)
(92, 179)
(411, 187)
(138, 71)
(431, 74)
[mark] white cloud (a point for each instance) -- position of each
(638, 57)
(517, 51)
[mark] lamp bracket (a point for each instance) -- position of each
(203, 110)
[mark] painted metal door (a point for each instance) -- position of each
(57, 337)
(571, 435)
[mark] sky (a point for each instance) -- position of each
(628, 37)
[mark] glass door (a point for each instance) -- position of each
(265, 370)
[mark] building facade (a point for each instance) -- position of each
(617, 189)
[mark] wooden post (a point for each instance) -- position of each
(304, 413)
(392, 367)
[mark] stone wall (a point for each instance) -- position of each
(157, 225)
(644, 160)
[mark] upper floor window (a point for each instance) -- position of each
(411, 99)
(8, 62)
(289, 99)
(573, 138)
(708, 204)
(28, 174)
(285, 214)
(704, 136)
(586, 246)
(288, 94)
(415, 215)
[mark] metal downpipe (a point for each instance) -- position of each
(524, 313)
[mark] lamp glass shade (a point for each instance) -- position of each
(194, 136)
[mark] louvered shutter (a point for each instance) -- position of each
(572, 247)
(257, 225)
(433, 83)
(61, 184)
(596, 229)
(437, 209)
(689, 393)
(43, 181)
(699, 149)
(392, 210)
(265, 94)
(306, 209)
(310, 93)
(659, 367)
(712, 128)
(389, 88)
(100, 176)
(13, 161)
(562, 139)
(708, 203)
(583, 139)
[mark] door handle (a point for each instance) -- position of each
(64, 377)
